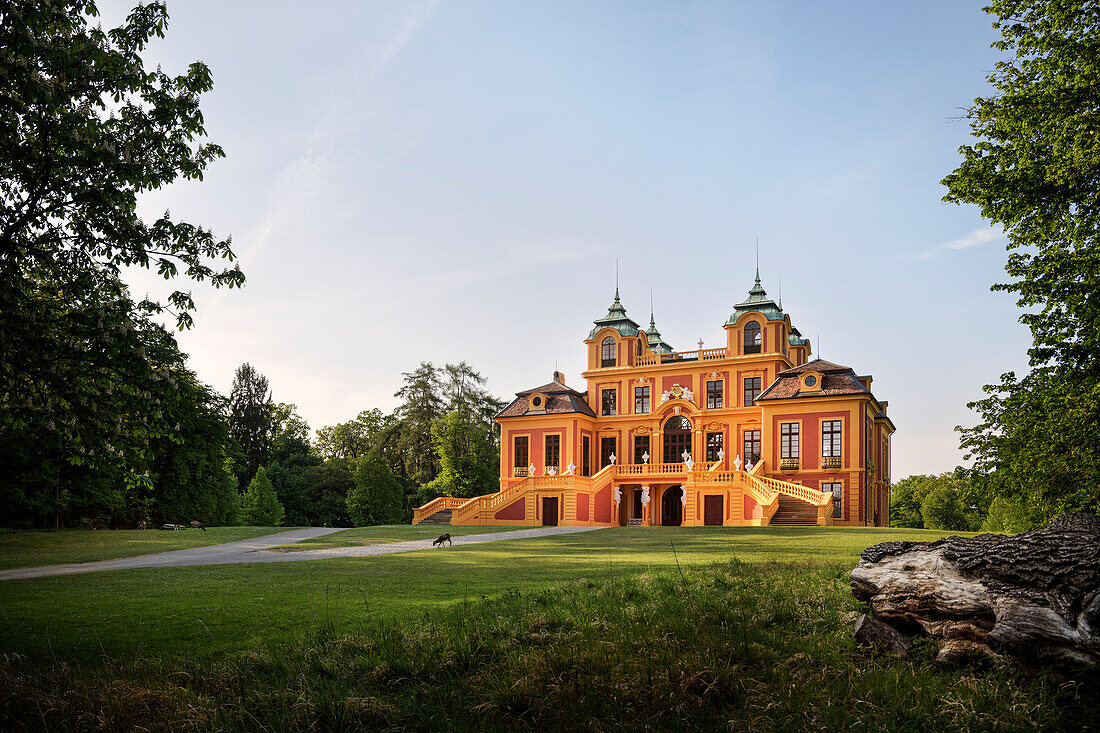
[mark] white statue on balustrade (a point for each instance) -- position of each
(551, 471)
(737, 463)
(612, 459)
(645, 495)
(531, 470)
(645, 458)
(572, 468)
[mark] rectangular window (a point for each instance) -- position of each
(553, 451)
(830, 439)
(714, 444)
(586, 456)
(837, 490)
(788, 440)
(607, 401)
(641, 400)
(641, 446)
(607, 449)
(714, 394)
(519, 456)
(752, 447)
(752, 390)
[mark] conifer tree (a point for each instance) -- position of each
(260, 506)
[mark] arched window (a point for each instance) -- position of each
(677, 438)
(640, 345)
(607, 355)
(752, 337)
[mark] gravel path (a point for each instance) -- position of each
(258, 549)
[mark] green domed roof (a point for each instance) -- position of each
(617, 319)
(757, 302)
(654, 337)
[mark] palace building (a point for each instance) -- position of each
(753, 433)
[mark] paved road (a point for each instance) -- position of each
(258, 549)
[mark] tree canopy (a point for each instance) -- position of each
(88, 378)
(1035, 170)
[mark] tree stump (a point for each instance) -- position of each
(1034, 597)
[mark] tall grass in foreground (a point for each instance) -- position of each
(735, 646)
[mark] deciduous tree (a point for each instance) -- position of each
(1035, 170)
(85, 129)
(376, 497)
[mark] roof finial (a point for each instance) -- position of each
(616, 279)
(780, 291)
(651, 324)
(758, 260)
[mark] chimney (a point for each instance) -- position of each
(559, 377)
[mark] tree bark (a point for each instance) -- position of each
(1033, 596)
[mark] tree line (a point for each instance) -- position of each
(246, 459)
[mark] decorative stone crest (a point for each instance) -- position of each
(677, 393)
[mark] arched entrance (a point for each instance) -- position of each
(677, 438)
(672, 507)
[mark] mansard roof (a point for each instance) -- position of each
(835, 380)
(758, 302)
(617, 319)
(560, 399)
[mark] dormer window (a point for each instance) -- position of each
(812, 382)
(752, 338)
(608, 352)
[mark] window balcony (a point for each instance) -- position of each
(831, 462)
(518, 472)
(788, 464)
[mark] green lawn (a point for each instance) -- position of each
(21, 549)
(635, 629)
(209, 610)
(387, 533)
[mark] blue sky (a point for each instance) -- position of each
(451, 181)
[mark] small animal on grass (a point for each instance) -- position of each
(198, 525)
(141, 524)
(445, 537)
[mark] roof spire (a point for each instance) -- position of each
(780, 291)
(616, 279)
(758, 260)
(651, 323)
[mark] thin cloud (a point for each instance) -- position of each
(975, 238)
(305, 193)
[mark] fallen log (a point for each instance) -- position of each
(1034, 596)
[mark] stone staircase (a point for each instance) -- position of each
(441, 517)
(794, 513)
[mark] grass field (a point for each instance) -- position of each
(612, 629)
(389, 533)
(22, 548)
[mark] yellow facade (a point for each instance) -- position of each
(748, 433)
